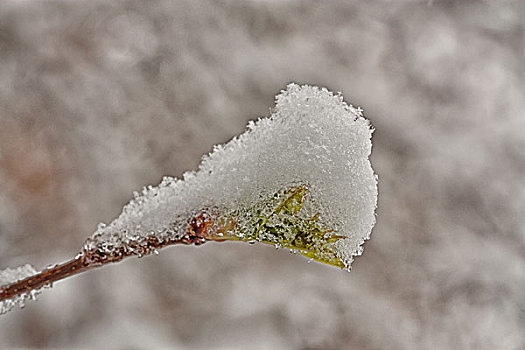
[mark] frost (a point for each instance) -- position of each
(300, 179)
(8, 276)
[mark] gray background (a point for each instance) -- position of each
(98, 99)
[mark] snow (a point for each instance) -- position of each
(313, 141)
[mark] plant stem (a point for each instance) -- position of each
(45, 278)
(88, 260)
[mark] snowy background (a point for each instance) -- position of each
(98, 99)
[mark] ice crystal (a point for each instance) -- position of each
(299, 179)
(8, 276)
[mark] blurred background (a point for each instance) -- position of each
(98, 99)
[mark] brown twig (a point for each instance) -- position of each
(44, 278)
(198, 233)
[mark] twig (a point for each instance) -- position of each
(45, 278)
(197, 234)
